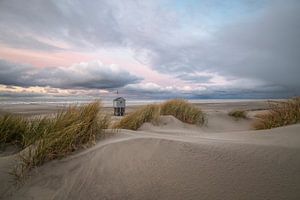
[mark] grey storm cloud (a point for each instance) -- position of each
(77, 22)
(194, 78)
(84, 24)
(88, 75)
(151, 90)
(263, 46)
(266, 47)
(22, 41)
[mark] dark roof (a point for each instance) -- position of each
(119, 98)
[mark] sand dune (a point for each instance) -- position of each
(175, 161)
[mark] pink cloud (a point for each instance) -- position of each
(120, 57)
(41, 59)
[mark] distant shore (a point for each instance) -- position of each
(206, 105)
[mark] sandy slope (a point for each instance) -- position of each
(177, 161)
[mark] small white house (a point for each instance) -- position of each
(119, 106)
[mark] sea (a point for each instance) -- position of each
(64, 101)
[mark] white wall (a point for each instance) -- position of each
(119, 103)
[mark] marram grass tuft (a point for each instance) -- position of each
(180, 109)
(183, 111)
(280, 114)
(46, 139)
(238, 114)
(133, 121)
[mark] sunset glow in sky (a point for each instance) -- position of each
(150, 48)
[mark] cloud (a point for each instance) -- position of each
(85, 75)
(19, 94)
(21, 41)
(264, 47)
(154, 91)
(150, 90)
(259, 44)
(82, 24)
(195, 77)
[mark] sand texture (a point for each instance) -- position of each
(173, 160)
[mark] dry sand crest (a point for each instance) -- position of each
(174, 160)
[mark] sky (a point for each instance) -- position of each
(154, 49)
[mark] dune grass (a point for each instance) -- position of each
(180, 109)
(21, 131)
(46, 139)
(133, 121)
(280, 114)
(12, 129)
(183, 111)
(238, 114)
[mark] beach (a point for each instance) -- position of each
(154, 100)
(223, 159)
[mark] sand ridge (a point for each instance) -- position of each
(225, 159)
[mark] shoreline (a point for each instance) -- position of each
(206, 105)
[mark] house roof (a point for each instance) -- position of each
(119, 98)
